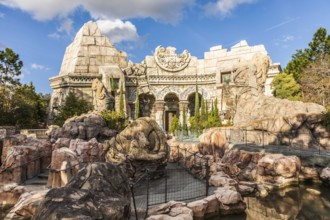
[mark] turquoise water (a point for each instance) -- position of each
(305, 202)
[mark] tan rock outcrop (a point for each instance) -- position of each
(325, 175)
(85, 126)
(212, 142)
(282, 121)
(98, 191)
(9, 195)
(27, 205)
(23, 158)
(142, 144)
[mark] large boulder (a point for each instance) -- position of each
(212, 142)
(140, 146)
(85, 126)
(278, 170)
(27, 205)
(98, 191)
(325, 175)
(23, 158)
(282, 121)
(9, 195)
(69, 155)
(170, 211)
(230, 200)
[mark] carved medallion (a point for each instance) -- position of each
(168, 60)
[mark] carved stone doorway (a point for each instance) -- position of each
(171, 109)
(168, 119)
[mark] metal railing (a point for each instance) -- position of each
(186, 179)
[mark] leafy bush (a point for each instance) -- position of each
(115, 120)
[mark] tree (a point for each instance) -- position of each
(175, 124)
(10, 67)
(203, 115)
(214, 119)
(285, 87)
(137, 104)
(23, 107)
(72, 106)
(113, 86)
(315, 82)
(196, 115)
(184, 121)
(121, 100)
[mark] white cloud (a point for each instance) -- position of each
(54, 35)
(284, 41)
(66, 26)
(288, 38)
(225, 7)
(118, 30)
(168, 11)
(43, 9)
(39, 67)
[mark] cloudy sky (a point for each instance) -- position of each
(40, 30)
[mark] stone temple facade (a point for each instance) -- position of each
(94, 69)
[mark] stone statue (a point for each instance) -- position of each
(99, 95)
(253, 72)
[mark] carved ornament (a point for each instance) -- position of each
(168, 60)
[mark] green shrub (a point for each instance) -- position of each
(175, 125)
(115, 120)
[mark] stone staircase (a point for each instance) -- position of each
(38, 182)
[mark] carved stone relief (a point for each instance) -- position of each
(167, 59)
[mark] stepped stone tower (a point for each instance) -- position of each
(89, 63)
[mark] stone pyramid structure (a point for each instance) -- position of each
(90, 50)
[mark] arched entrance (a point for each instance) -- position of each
(171, 108)
(191, 103)
(147, 102)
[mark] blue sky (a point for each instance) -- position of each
(40, 30)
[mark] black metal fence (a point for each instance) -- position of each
(186, 179)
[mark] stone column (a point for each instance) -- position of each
(183, 105)
(160, 107)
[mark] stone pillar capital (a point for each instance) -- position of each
(160, 105)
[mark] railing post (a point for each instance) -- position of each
(178, 155)
(229, 135)
(165, 186)
(148, 178)
(185, 157)
(245, 137)
(134, 204)
(263, 139)
(207, 173)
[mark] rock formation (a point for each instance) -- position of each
(9, 195)
(23, 158)
(69, 156)
(26, 206)
(140, 146)
(283, 121)
(212, 142)
(98, 191)
(85, 126)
